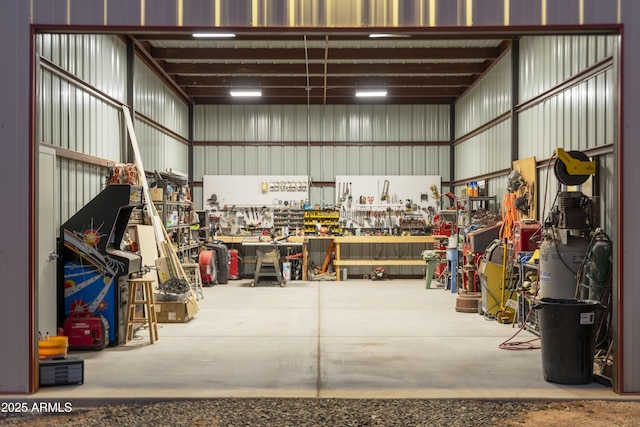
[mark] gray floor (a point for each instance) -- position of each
(353, 339)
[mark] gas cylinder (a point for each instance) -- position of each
(234, 264)
(599, 267)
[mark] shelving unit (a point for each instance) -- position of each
(471, 203)
(173, 215)
(527, 317)
(288, 217)
(329, 218)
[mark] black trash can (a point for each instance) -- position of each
(567, 336)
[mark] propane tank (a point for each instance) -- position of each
(561, 255)
(599, 267)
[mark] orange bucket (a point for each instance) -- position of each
(54, 347)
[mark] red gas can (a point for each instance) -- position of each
(234, 264)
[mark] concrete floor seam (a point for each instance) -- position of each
(318, 357)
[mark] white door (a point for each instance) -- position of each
(47, 220)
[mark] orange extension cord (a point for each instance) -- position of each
(509, 216)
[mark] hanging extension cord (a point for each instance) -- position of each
(508, 344)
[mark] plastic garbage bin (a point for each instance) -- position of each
(567, 336)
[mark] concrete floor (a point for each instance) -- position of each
(353, 339)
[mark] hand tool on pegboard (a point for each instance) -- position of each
(385, 191)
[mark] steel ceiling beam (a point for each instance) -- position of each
(317, 54)
(319, 100)
(317, 69)
(317, 81)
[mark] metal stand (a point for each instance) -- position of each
(268, 266)
(452, 270)
(192, 271)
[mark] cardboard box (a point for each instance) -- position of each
(176, 312)
(156, 194)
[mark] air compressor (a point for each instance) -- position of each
(567, 229)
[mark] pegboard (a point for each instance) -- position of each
(254, 190)
(401, 188)
(360, 196)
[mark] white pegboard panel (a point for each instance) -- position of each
(254, 190)
(400, 188)
(407, 197)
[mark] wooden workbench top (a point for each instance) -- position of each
(343, 239)
(369, 239)
(383, 239)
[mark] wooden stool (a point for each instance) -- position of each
(192, 271)
(141, 293)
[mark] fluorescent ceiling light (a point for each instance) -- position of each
(370, 93)
(214, 35)
(252, 92)
(387, 36)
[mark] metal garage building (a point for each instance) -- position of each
(573, 56)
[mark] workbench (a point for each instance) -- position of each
(421, 243)
(231, 239)
(425, 242)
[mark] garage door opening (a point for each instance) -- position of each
(463, 106)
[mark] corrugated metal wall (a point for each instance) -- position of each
(278, 125)
(488, 99)
(160, 151)
(155, 100)
(581, 117)
(98, 60)
(546, 61)
(489, 150)
(330, 123)
(606, 203)
(71, 116)
(484, 153)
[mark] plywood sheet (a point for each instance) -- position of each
(148, 250)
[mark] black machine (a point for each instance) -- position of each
(93, 271)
